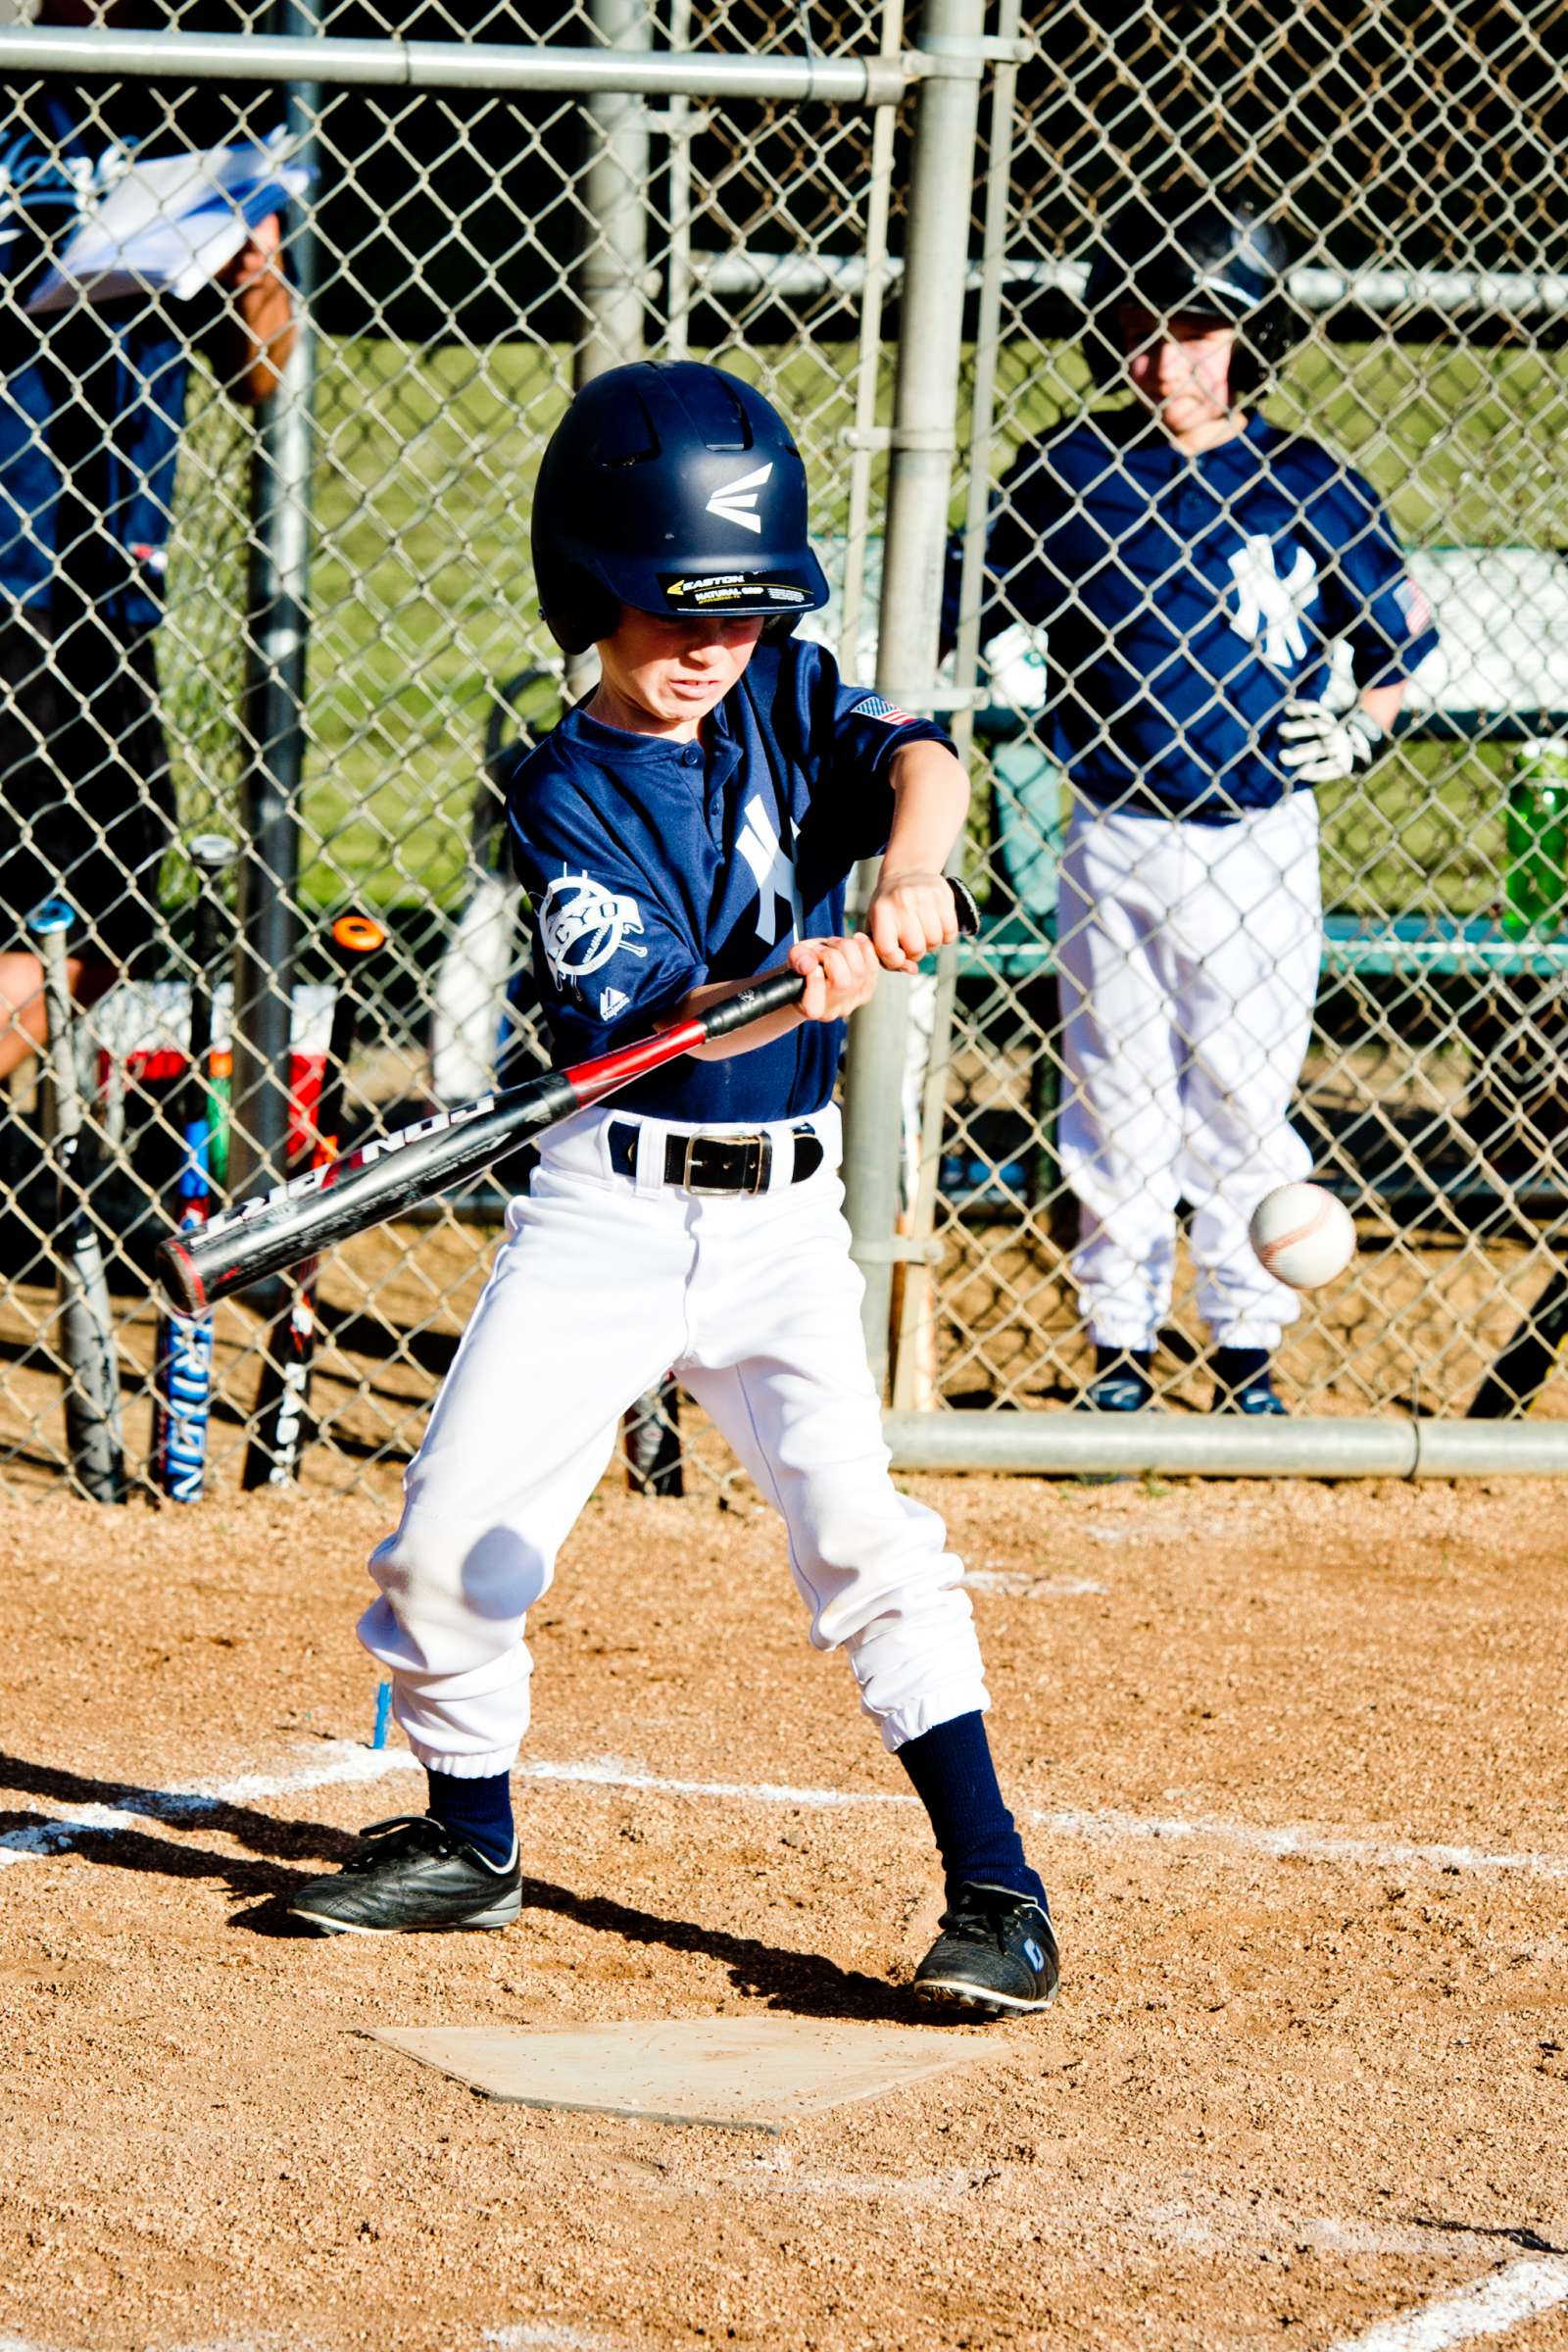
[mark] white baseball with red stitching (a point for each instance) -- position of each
(1302, 1235)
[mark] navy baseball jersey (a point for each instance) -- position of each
(1186, 599)
(653, 866)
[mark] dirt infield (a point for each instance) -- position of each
(1295, 1763)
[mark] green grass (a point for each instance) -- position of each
(423, 593)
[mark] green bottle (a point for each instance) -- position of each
(1536, 884)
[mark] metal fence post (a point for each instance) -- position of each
(611, 271)
(912, 1369)
(277, 641)
(611, 277)
(919, 486)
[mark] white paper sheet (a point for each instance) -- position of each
(169, 224)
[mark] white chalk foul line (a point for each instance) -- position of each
(344, 1762)
(1489, 2306)
(1298, 1841)
(544, 2335)
(1102, 1827)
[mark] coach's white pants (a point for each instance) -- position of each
(603, 1284)
(1189, 960)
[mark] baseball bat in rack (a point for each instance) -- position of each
(94, 1442)
(389, 1173)
(183, 1377)
(280, 1420)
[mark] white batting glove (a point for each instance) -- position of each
(1320, 747)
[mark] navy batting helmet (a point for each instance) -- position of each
(1211, 260)
(674, 488)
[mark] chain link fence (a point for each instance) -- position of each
(1408, 163)
(347, 644)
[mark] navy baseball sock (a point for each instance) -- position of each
(1237, 1367)
(478, 1810)
(955, 1781)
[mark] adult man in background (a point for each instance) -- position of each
(1192, 565)
(92, 408)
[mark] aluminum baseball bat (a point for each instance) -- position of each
(94, 1440)
(390, 1173)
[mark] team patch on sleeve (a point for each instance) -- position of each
(582, 926)
(888, 712)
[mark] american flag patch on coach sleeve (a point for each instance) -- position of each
(1412, 603)
(888, 712)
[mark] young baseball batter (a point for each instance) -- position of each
(1192, 565)
(691, 827)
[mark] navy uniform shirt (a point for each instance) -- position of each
(1186, 599)
(653, 866)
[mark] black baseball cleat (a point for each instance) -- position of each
(1122, 1382)
(997, 1953)
(409, 1874)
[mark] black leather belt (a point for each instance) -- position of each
(717, 1164)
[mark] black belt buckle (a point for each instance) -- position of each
(711, 1164)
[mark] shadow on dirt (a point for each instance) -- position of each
(138, 1848)
(805, 1983)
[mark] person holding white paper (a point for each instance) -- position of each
(92, 404)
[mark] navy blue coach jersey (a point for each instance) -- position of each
(1186, 599)
(92, 399)
(653, 866)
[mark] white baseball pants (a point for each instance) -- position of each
(603, 1284)
(1189, 969)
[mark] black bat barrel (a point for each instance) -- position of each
(378, 1180)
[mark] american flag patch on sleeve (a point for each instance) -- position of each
(1412, 603)
(888, 712)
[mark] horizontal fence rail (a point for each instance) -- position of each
(561, 71)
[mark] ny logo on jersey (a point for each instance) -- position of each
(735, 502)
(773, 872)
(1268, 609)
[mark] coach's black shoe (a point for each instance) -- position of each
(410, 1873)
(1244, 1382)
(997, 1953)
(1122, 1382)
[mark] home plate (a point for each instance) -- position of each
(739, 2072)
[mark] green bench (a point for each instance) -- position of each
(1022, 947)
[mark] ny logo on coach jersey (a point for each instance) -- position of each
(774, 873)
(1268, 609)
(735, 502)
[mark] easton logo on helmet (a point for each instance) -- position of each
(735, 502)
(582, 926)
(733, 592)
